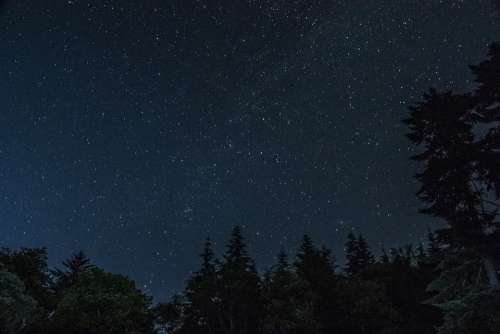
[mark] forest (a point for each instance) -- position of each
(447, 285)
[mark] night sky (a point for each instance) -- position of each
(135, 129)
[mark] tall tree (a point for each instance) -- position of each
(459, 135)
(201, 296)
(288, 309)
(461, 179)
(358, 254)
(315, 269)
(240, 308)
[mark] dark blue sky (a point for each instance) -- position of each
(134, 129)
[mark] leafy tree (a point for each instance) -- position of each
(16, 306)
(30, 265)
(103, 303)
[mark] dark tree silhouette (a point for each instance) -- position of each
(459, 135)
(202, 301)
(30, 265)
(358, 254)
(73, 268)
(103, 303)
(240, 308)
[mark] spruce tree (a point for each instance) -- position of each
(239, 289)
(284, 308)
(460, 139)
(73, 268)
(358, 254)
(201, 299)
(315, 268)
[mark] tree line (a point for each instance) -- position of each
(450, 285)
(308, 293)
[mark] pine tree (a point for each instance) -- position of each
(384, 257)
(73, 268)
(460, 137)
(201, 299)
(350, 249)
(460, 169)
(315, 268)
(239, 289)
(358, 254)
(365, 255)
(284, 308)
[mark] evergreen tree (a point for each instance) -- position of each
(350, 249)
(315, 268)
(358, 254)
(384, 257)
(279, 290)
(460, 137)
(240, 301)
(74, 267)
(201, 296)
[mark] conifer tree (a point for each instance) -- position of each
(460, 138)
(358, 254)
(283, 306)
(239, 289)
(73, 268)
(315, 268)
(201, 296)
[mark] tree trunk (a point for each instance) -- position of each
(491, 272)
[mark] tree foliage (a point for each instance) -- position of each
(459, 139)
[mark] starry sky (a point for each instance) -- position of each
(135, 129)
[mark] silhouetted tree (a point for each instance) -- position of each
(103, 303)
(289, 308)
(73, 268)
(358, 254)
(460, 138)
(240, 305)
(201, 294)
(315, 268)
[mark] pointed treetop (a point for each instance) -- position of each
(236, 248)
(282, 259)
(207, 256)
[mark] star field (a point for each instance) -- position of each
(134, 129)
